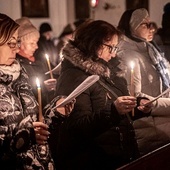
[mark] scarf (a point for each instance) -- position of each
(13, 70)
(160, 64)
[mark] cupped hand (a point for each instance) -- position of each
(50, 84)
(125, 104)
(41, 132)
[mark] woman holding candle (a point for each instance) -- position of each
(99, 133)
(29, 37)
(23, 139)
(151, 77)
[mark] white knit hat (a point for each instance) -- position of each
(26, 28)
(137, 18)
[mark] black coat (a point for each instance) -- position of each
(35, 70)
(94, 136)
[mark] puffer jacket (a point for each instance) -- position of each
(147, 80)
(154, 131)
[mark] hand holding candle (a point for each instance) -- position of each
(49, 66)
(40, 116)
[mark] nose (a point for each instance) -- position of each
(16, 49)
(152, 30)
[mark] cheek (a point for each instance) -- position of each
(143, 34)
(25, 48)
(4, 55)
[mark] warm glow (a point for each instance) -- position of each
(49, 66)
(38, 83)
(132, 65)
(46, 56)
(93, 3)
(40, 116)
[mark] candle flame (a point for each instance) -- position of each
(38, 82)
(93, 3)
(132, 65)
(47, 57)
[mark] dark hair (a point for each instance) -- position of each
(90, 35)
(124, 21)
(45, 27)
(7, 28)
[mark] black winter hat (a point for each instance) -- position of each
(166, 17)
(44, 27)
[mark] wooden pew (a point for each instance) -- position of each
(158, 159)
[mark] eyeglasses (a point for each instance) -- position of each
(14, 43)
(111, 48)
(148, 25)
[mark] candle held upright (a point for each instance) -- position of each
(49, 65)
(132, 90)
(40, 115)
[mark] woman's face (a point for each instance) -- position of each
(144, 30)
(9, 49)
(29, 46)
(108, 49)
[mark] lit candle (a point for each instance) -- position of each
(93, 3)
(40, 116)
(49, 66)
(132, 79)
(132, 91)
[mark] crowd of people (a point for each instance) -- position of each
(113, 122)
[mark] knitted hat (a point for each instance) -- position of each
(7, 28)
(45, 27)
(26, 28)
(137, 18)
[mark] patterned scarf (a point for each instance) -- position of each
(161, 65)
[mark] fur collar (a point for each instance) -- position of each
(75, 56)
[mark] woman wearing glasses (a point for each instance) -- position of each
(23, 138)
(98, 134)
(151, 77)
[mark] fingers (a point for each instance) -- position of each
(41, 135)
(145, 109)
(40, 124)
(50, 84)
(41, 132)
(125, 104)
(67, 109)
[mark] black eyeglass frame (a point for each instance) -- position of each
(16, 44)
(111, 48)
(148, 25)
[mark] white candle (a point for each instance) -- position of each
(40, 116)
(49, 66)
(132, 79)
(132, 91)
